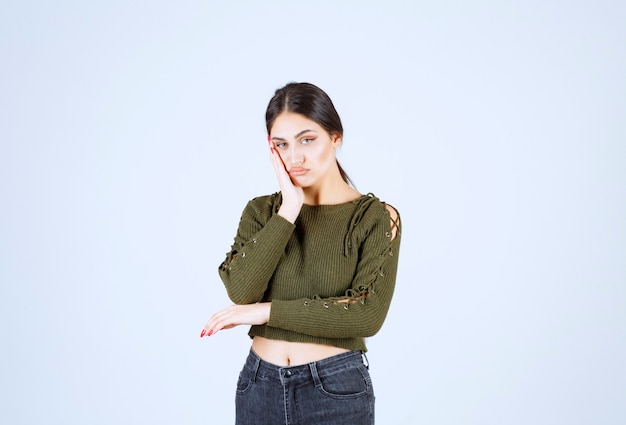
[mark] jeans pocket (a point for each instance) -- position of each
(349, 383)
(244, 383)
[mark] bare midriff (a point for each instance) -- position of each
(284, 353)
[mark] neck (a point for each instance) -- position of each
(329, 190)
(329, 194)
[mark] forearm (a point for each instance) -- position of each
(360, 313)
(330, 319)
(251, 262)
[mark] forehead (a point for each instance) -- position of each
(289, 124)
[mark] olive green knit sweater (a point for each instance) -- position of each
(330, 276)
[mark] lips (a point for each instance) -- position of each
(298, 172)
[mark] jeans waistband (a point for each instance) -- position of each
(310, 371)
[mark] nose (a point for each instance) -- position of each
(297, 156)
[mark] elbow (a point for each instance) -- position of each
(372, 321)
(239, 294)
(242, 298)
(371, 329)
(364, 324)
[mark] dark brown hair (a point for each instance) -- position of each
(312, 102)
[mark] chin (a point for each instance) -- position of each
(302, 182)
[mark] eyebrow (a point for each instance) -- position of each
(297, 135)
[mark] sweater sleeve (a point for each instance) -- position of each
(258, 246)
(362, 311)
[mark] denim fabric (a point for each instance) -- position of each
(337, 390)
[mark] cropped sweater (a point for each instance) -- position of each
(330, 276)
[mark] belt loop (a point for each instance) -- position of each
(365, 360)
(255, 367)
(316, 377)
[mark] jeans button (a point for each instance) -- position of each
(288, 373)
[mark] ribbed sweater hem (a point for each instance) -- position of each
(290, 336)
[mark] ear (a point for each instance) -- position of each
(336, 140)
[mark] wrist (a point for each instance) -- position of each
(289, 212)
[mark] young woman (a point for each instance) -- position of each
(313, 270)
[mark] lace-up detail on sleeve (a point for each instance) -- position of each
(364, 204)
(394, 221)
(362, 292)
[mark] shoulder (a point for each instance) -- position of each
(378, 206)
(385, 213)
(264, 205)
(391, 210)
(394, 220)
(264, 199)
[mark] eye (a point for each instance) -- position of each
(306, 141)
(281, 145)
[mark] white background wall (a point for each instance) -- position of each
(132, 135)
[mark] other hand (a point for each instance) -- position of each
(235, 315)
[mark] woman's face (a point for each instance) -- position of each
(306, 149)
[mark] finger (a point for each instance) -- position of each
(284, 179)
(220, 320)
(277, 162)
(277, 159)
(213, 326)
(210, 328)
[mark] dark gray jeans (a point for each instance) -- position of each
(337, 390)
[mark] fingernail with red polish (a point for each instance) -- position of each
(202, 334)
(210, 333)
